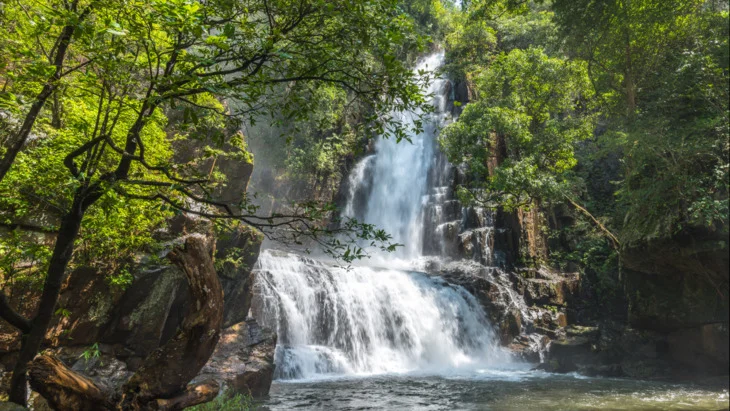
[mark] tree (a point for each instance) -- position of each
(518, 138)
(676, 152)
(660, 69)
(151, 56)
(621, 39)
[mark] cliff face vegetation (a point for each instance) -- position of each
(611, 123)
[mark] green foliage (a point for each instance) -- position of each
(38, 190)
(431, 17)
(581, 245)
(121, 280)
(533, 108)
(676, 166)
(535, 28)
(143, 77)
(469, 47)
(92, 352)
(621, 40)
(654, 73)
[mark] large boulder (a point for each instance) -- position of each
(614, 350)
(678, 282)
(679, 287)
(704, 347)
(236, 254)
(153, 300)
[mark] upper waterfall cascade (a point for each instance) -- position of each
(367, 320)
(389, 189)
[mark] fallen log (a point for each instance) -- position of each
(65, 389)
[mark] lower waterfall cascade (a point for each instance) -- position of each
(366, 320)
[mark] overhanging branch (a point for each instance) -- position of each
(11, 316)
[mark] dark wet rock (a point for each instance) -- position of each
(528, 348)
(673, 301)
(614, 350)
(106, 371)
(583, 331)
(571, 353)
(704, 347)
(678, 287)
(243, 361)
(525, 307)
(646, 369)
(545, 287)
(482, 283)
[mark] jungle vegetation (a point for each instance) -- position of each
(616, 108)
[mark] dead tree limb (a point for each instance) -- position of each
(168, 370)
(195, 394)
(65, 389)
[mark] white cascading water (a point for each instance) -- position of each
(370, 321)
(396, 177)
(366, 320)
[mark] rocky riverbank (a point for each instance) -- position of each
(107, 335)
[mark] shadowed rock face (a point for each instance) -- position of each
(678, 287)
(11, 406)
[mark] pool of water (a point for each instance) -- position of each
(494, 390)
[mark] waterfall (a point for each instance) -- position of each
(367, 320)
(388, 189)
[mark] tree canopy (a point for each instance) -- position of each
(125, 83)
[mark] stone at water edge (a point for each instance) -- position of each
(243, 361)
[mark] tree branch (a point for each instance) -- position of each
(11, 316)
(614, 241)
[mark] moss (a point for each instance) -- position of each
(157, 300)
(226, 402)
(100, 308)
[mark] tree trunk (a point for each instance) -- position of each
(31, 341)
(167, 371)
(56, 110)
(630, 83)
(629, 80)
